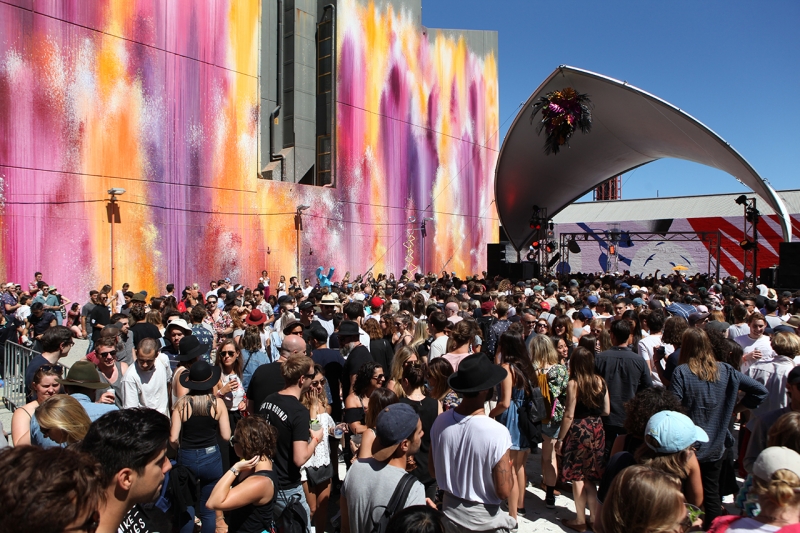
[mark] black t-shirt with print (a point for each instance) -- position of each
(292, 420)
(266, 380)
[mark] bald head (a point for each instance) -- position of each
(293, 344)
(451, 309)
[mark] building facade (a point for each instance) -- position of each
(220, 118)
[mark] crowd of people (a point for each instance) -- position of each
(231, 408)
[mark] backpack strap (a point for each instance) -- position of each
(396, 502)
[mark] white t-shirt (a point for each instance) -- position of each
(646, 347)
(749, 345)
(737, 331)
(465, 450)
(146, 389)
(438, 347)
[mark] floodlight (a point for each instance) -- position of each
(116, 191)
(741, 200)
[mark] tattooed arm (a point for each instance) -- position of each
(502, 476)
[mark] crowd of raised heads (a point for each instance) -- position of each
(404, 404)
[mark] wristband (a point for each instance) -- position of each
(233, 471)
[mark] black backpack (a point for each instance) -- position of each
(293, 517)
(396, 502)
(534, 409)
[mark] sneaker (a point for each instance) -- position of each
(521, 511)
(550, 502)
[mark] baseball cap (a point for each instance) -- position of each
(394, 424)
(569, 299)
(673, 432)
(593, 299)
(695, 318)
(545, 306)
(586, 313)
(717, 325)
(487, 306)
(638, 302)
(776, 458)
(306, 305)
(376, 302)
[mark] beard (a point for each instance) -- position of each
(347, 348)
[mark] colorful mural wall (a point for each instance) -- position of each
(160, 97)
(645, 257)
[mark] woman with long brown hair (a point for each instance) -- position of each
(231, 390)
(403, 334)
(513, 356)
(709, 391)
(45, 385)
(438, 370)
(581, 439)
(458, 346)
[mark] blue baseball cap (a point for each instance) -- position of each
(587, 313)
(394, 424)
(673, 432)
(593, 299)
(638, 302)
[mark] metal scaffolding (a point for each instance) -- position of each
(711, 239)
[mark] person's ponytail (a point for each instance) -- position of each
(781, 488)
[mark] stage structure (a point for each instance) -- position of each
(712, 240)
(630, 128)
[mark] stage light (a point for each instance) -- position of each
(752, 215)
(554, 260)
(748, 245)
(536, 244)
(531, 256)
(573, 246)
(535, 224)
(550, 247)
(741, 200)
(612, 250)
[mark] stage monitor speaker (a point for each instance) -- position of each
(514, 271)
(530, 270)
(768, 277)
(789, 269)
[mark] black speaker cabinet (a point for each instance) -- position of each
(495, 259)
(768, 277)
(789, 270)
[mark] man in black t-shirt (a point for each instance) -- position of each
(141, 329)
(100, 317)
(39, 321)
(291, 418)
(268, 379)
(355, 353)
(332, 363)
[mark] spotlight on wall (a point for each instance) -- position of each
(741, 200)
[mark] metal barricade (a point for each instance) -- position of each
(15, 360)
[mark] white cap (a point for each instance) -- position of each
(776, 458)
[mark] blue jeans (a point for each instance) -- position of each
(282, 500)
(206, 464)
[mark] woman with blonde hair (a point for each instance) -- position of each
(419, 339)
(645, 500)
(553, 378)
(709, 391)
(63, 419)
(776, 482)
(403, 334)
(404, 356)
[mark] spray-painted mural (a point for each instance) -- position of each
(161, 98)
(645, 257)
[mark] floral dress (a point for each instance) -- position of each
(557, 378)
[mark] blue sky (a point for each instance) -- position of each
(733, 65)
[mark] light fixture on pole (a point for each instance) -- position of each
(112, 209)
(298, 225)
(423, 230)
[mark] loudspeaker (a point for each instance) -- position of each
(495, 258)
(514, 271)
(530, 270)
(789, 270)
(768, 277)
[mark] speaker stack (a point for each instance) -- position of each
(789, 270)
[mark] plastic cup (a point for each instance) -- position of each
(338, 432)
(315, 425)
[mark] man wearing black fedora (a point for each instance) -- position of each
(469, 455)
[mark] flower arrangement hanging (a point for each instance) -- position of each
(563, 112)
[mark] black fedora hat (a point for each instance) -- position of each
(190, 347)
(348, 328)
(476, 373)
(201, 376)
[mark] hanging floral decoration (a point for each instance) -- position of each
(563, 112)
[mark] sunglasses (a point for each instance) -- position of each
(58, 369)
(379, 377)
(233, 441)
(228, 353)
(106, 354)
(318, 383)
(541, 325)
(211, 302)
(529, 322)
(310, 376)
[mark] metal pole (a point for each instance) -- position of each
(298, 223)
(113, 287)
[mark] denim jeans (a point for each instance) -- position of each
(282, 500)
(206, 464)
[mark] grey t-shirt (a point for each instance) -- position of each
(369, 486)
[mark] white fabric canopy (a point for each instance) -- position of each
(630, 128)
